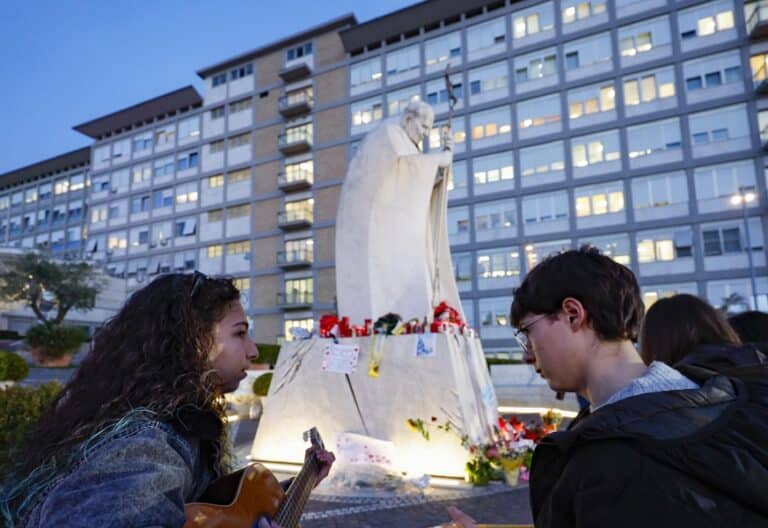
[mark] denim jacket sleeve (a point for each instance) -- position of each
(139, 479)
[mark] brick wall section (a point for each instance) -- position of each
(326, 203)
(266, 140)
(330, 86)
(330, 124)
(265, 291)
(267, 68)
(331, 163)
(325, 240)
(325, 285)
(264, 253)
(328, 49)
(265, 215)
(266, 107)
(266, 328)
(265, 179)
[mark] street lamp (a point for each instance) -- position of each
(747, 195)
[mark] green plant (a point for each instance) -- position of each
(261, 384)
(268, 354)
(20, 408)
(56, 340)
(12, 367)
(12, 335)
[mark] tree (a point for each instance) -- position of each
(44, 284)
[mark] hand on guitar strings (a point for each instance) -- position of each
(264, 522)
(460, 519)
(325, 458)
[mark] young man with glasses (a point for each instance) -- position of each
(660, 447)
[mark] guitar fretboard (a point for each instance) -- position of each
(298, 493)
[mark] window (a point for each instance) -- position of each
(462, 270)
(758, 64)
(189, 128)
(101, 155)
(437, 93)
(121, 150)
(45, 191)
(162, 167)
(366, 74)
(75, 210)
(439, 50)
(494, 220)
(142, 142)
(297, 52)
(493, 169)
(299, 210)
(215, 251)
(366, 112)
(238, 211)
(706, 19)
(119, 181)
(459, 135)
(458, 224)
(539, 112)
(644, 37)
(494, 314)
(498, 263)
(241, 105)
(534, 253)
(99, 214)
(240, 72)
(163, 198)
(30, 195)
(719, 241)
(653, 138)
(240, 140)
(219, 79)
(119, 210)
(214, 215)
(599, 199)
(486, 38)
(302, 171)
(719, 125)
(536, 65)
(61, 186)
(166, 135)
(491, 123)
(488, 82)
(540, 208)
(5, 202)
(712, 71)
(532, 21)
(574, 10)
(596, 148)
(649, 86)
(663, 246)
(615, 246)
(238, 176)
(591, 100)
(587, 52)
(186, 193)
(398, 100)
(218, 112)
(542, 159)
(659, 190)
(185, 227)
(217, 180)
(716, 182)
(457, 184)
(299, 290)
(296, 134)
(402, 61)
(187, 160)
(239, 248)
(304, 324)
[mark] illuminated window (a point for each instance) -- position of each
(217, 180)
(215, 251)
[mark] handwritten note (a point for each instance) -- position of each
(340, 358)
(425, 345)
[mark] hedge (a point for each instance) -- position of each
(261, 384)
(12, 367)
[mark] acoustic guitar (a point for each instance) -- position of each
(238, 500)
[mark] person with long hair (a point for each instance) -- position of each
(139, 429)
(674, 326)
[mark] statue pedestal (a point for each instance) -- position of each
(452, 384)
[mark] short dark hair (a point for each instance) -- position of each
(752, 326)
(608, 291)
(675, 325)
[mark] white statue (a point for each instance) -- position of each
(392, 250)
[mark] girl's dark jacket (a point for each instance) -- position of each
(694, 458)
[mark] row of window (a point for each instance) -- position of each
(234, 74)
(44, 191)
(649, 39)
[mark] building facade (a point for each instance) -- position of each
(636, 126)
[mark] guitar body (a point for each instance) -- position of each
(236, 500)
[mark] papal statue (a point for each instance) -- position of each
(392, 249)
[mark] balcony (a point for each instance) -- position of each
(760, 80)
(297, 258)
(295, 104)
(757, 22)
(295, 181)
(298, 219)
(294, 72)
(295, 300)
(294, 141)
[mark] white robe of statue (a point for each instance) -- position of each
(391, 231)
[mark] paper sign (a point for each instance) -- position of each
(354, 448)
(340, 358)
(425, 345)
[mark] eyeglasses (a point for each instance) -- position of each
(198, 279)
(521, 335)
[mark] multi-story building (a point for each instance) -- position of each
(637, 126)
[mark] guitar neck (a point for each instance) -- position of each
(298, 494)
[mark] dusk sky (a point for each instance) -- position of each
(66, 62)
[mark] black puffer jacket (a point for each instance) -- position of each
(694, 458)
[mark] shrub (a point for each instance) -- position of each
(12, 335)
(261, 384)
(12, 367)
(268, 354)
(20, 408)
(56, 340)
